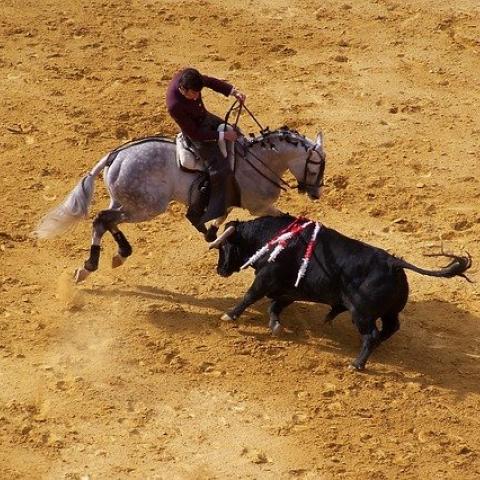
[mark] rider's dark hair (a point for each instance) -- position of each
(191, 79)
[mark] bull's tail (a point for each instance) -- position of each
(74, 207)
(456, 268)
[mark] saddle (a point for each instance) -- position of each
(188, 158)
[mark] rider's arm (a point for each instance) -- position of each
(190, 128)
(223, 87)
(217, 85)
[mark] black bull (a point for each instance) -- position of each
(344, 273)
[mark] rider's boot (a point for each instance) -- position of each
(223, 194)
(196, 209)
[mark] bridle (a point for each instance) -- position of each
(302, 185)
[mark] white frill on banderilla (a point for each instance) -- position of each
(280, 242)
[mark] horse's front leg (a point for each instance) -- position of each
(273, 211)
(211, 234)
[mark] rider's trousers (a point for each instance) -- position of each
(222, 182)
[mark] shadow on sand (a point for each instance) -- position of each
(437, 339)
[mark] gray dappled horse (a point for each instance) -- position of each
(143, 176)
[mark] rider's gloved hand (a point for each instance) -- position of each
(230, 135)
(241, 97)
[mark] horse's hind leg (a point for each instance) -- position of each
(109, 220)
(106, 220)
(124, 248)
(91, 264)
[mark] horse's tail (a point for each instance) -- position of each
(74, 207)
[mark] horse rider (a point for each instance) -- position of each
(185, 105)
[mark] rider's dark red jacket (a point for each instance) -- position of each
(189, 114)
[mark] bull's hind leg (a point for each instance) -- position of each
(106, 220)
(390, 324)
(370, 339)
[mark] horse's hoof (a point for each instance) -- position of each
(118, 261)
(227, 318)
(81, 274)
(211, 234)
(354, 367)
(277, 330)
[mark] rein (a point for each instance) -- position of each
(247, 151)
(264, 132)
(242, 105)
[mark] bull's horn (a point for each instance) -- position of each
(216, 243)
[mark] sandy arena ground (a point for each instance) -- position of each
(132, 375)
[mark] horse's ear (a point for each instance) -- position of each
(319, 140)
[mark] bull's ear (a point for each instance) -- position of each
(216, 243)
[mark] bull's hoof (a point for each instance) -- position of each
(81, 274)
(277, 330)
(227, 318)
(118, 260)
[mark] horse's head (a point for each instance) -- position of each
(273, 152)
(308, 166)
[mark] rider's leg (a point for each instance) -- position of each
(223, 191)
(198, 202)
(220, 183)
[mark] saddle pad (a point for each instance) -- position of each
(189, 159)
(186, 156)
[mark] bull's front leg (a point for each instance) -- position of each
(275, 308)
(259, 288)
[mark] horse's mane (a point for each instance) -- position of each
(283, 133)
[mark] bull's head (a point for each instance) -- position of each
(229, 256)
